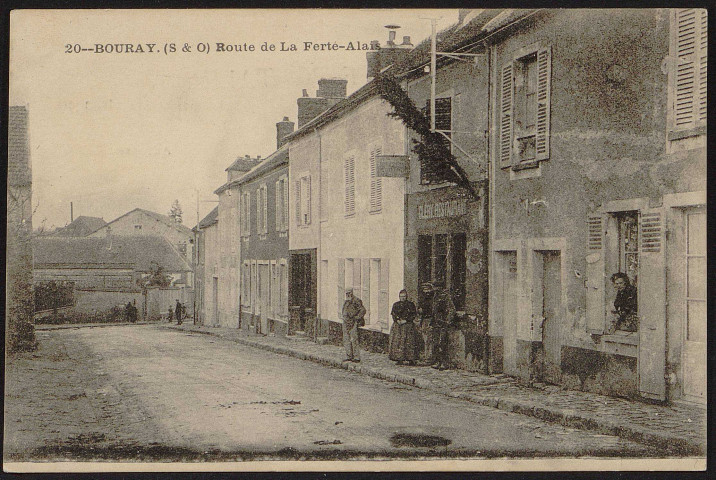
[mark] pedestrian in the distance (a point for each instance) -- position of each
(353, 317)
(405, 341)
(128, 311)
(171, 314)
(177, 312)
(443, 314)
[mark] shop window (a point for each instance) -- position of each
(442, 262)
(628, 227)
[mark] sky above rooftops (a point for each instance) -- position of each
(113, 132)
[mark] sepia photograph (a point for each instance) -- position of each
(356, 240)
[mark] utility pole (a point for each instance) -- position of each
(433, 68)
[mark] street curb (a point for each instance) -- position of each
(568, 418)
(63, 326)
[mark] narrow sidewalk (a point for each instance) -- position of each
(678, 429)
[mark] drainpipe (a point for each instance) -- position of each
(321, 201)
(491, 125)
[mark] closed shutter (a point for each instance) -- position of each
(384, 283)
(341, 278)
(365, 286)
(376, 182)
(307, 201)
(259, 212)
(544, 74)
(285, 203)
(297, 199)
(651, 298)
(506, 116)
(690, 76)
(350, 193)
(595, 280)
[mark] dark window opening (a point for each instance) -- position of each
(442, 262)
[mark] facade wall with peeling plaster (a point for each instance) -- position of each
(608, 152)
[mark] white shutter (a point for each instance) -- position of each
(506, 91)
(594, 284)
(341, 268)
(307, 201)
(297, 198)
(350, 193)
(376, 182)
(285, 204)
(277, 205)
(544, 74)
(384, 283)
(690, 76)
(365, 286)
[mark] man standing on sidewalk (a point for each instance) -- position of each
(443, 313)
(353, 313)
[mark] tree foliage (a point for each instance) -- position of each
(176, 212)
(435, 156)
(157, 277)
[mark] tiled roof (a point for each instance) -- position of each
(211, 219)
(18, 148)
(81, 227)
(276, 159)
(244, 164)
(137, 252)
(157, 216)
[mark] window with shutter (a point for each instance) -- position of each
(429, 174)
(350, 186)
(689, 74)
(306, 200)
(285, 203)
(278, 204)
(376, 182)
(594, 283)
(544, 74)
(506, 116)
(259, 212)
(297, 199)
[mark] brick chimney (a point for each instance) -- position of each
(330, 91)
(283, 128)
(378, 58)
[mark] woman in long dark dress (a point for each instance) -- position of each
(404, 337)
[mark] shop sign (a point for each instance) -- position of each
(451, 208)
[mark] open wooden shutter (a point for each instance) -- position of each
(285, 204)
(350, 193)
(690, 75)
(544, 75)
(297, 198)
(376, 182)
(384, 292)
(365, 286)
(264, 206)
(595, 280)
(651, 298)
(277, 206)
(506, 91)
(341, 279)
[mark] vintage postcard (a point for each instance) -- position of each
(345, 240)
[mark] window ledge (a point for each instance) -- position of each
(375, 212)
(691, 132)
(621, 343)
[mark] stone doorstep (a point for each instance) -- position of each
(552, 414)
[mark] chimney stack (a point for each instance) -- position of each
(330, 91)
(378, 59)
(283, 128)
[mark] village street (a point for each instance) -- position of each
(143, 393)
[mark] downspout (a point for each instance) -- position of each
(320, 236)
(491, 198)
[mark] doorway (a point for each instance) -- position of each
(694, 350)
(302, 287)
(548, 291)
(507, 300)
(264, 295)
(215, 302)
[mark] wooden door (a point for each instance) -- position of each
(694, 349)
(508, 299)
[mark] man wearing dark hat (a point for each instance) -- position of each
(426, 317)
(353, 314)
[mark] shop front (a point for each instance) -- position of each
(446, 246)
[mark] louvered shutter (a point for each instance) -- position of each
(349, 171)
(376, 182)
(307, 202)
(297, 198)
(365, 286)
(544, 75)
(285, 203)
(341, 279)
(264, 206)
(506, 94)
(651, 298)
(277, 205)
(384, 291)
(690, 76)
(595, 280)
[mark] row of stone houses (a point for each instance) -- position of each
(583, 136)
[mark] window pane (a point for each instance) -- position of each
(696, 277)
(697, 233)
(696, 321)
